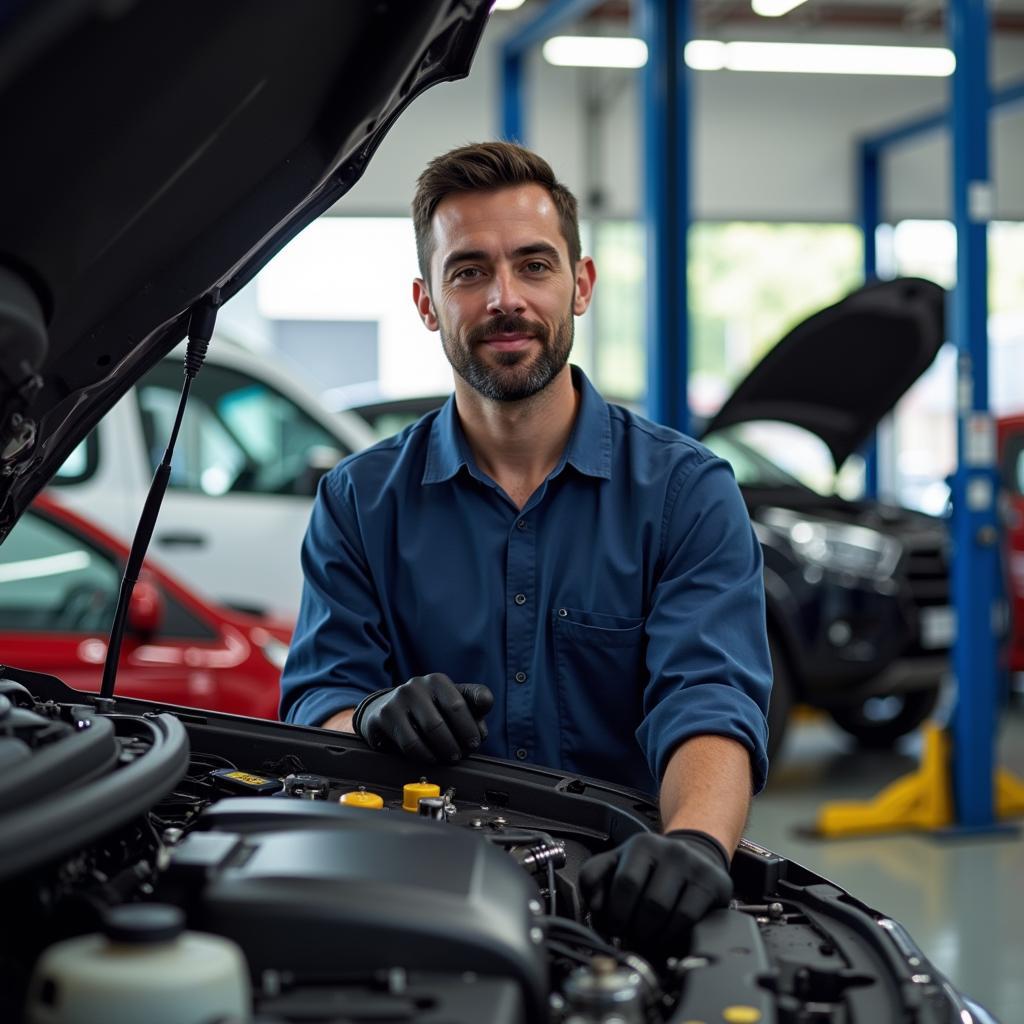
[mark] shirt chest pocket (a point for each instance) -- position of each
(573, 626)
(600, 674)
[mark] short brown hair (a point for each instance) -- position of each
(487, 167)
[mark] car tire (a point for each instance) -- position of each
(781, 701)
(878, 722)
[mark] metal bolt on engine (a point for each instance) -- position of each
(433, 807)
(604, 992)
(535, 858)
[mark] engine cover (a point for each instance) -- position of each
(322, 890)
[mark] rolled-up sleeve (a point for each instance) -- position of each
(707, 648)
(339, 652)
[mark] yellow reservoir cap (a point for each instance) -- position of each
(414, 792)
(360, 798)
(741, 1015)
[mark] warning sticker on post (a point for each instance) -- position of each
(979, 441)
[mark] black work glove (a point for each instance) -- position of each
(653, 889)
(429, 718)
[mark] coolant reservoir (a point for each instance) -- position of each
(413, 792)
(144, 968)
(361, 798)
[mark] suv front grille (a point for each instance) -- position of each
(927, 571)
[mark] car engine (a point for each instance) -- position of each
(339, 885)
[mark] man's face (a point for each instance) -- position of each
(503, 293)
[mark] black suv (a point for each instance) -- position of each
(857, 591)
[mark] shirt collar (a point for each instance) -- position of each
(589, 449)
(447, 451)
(590, 444)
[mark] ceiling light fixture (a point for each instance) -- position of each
(820, 58)
(774, 8)
(506, 5)
(787, 58)
(595, 52)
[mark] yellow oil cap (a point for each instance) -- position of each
(741, 1014)
(360, 798)
(413, 792)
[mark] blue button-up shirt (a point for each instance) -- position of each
(618, 613)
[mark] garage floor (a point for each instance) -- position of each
(962, 899)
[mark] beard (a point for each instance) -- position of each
(513, 376)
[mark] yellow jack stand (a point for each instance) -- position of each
(921, 800)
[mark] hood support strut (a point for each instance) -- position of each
(200, 330)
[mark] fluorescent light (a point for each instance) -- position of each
(595, 52)
(774, 8)
(791, 58)
(820, 58)
(506, 5)
(706, 54)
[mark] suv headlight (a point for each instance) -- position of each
(838, 547)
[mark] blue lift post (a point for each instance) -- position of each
(957, 789)
(976, 584)
(511, 97)
(666, 118)
(870, 218)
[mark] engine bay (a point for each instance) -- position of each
(360, 888)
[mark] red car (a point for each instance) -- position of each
(59, 580)
(1010, 436)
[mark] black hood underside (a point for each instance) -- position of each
(158, 153)
(840, 371)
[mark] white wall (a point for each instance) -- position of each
(766, 146)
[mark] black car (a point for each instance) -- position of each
(857, 599)
(322, 881)
(857, 592)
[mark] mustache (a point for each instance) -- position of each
(506, 324)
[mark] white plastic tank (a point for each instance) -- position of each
(144, 969)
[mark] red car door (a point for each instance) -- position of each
(58, 590)
(1011, 468)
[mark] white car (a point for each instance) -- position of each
(253, 444)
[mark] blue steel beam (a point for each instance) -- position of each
(870, 218)
(512, 99)
(870, 203)
(666, 118)
(975, 576)
(1000, 100)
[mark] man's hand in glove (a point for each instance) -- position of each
(651, 890)
(429, 718)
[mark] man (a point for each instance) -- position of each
(535, 574)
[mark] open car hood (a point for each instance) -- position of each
(157, 154)
(841, 370)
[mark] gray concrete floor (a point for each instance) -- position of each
(961, 899)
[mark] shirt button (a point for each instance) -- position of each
(562, 613)
(520, 599)
(521, 524)
(521, 754)
(520, 677)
